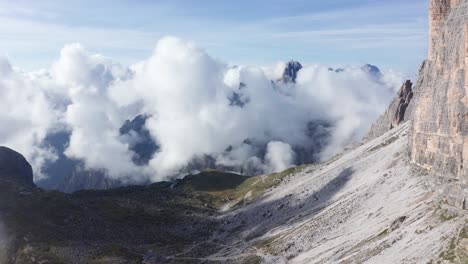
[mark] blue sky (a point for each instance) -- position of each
(391, 34)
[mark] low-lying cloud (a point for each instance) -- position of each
(198, 110)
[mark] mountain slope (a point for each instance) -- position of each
(366, 205)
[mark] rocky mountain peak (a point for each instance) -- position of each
(399, 111)
(290, 71)
(143, 145)
(372, 70)
(404, 95)
(137, 124)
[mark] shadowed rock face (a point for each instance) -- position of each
(439, 136)
(15, 169)
(70, 175)
(404, 95)
(144, 146)
(290, 72)
(399, 111)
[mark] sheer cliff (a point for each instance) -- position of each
(439, 127)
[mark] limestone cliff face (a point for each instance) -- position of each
(439, 130)
(438, 13)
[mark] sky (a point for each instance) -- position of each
(390, 34)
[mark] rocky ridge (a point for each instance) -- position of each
(399, 111)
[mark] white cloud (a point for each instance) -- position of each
(27, 113)
(187, 96)
(93, 118)
(279, 156)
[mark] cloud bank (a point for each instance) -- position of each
(199, 111)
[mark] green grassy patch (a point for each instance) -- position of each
(455, 253)
(225, 188)
(445, 215)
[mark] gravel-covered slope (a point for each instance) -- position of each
(366, 206)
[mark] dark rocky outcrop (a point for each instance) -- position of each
(290, 72)
(398, 112)
(405, 95)
(14, 169)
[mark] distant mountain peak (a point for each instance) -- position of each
(137, 124)
(372, 70)
(290, 71)
(145, 147)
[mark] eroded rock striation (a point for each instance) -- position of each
(438, 138)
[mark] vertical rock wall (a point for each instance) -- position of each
(438, 12)
(439, 133)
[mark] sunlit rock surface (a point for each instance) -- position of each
(439, 136)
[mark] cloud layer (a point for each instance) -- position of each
(198, 110)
